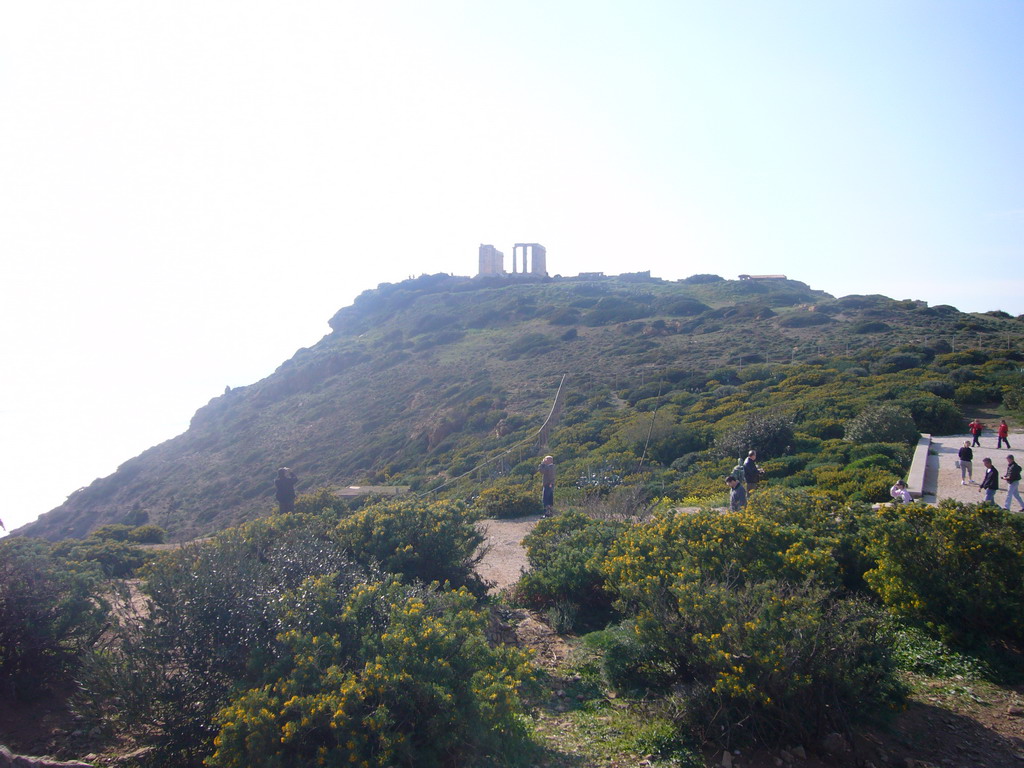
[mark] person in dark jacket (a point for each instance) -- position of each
(284, 489)
(547, 476)
(1012, 478)
(751, 472)
(966, 456)
(989, 483)
(737, 495)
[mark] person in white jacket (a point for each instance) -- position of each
(900, 493)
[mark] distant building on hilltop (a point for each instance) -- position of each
(535, 256)
(762, 277)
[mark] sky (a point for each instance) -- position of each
(189, 190)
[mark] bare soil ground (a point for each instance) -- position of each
(505, 558)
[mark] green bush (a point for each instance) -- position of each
(804, 320)
(958, 568)
(767, 661)
(627, 663)
(390, 677)
(870, 326)
(857, 482)
(565, 554)
(899, 361)
(115, 549)
(49, 613)
(726, 605)
(212, 623)
(529, 344)
(506, 501)
(420, 540)
(611, 309)
(878, 461)
(116, 559)
(939, 387)
(826, 429)
(767, 432)
(916, 651)
(882, 423)
(975, 394)
(760, 542)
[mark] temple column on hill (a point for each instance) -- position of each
(534, 258)
(492, 261)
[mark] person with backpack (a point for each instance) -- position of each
(737, 471)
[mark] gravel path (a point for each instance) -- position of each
(505, 558)
(942, 477)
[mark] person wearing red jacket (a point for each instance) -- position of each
(1003, 435)
(976, 427)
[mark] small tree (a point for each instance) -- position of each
(48, 614)
(767, 432)
(882, 424)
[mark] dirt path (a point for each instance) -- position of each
(505, 558)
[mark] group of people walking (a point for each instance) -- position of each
(1002, 434)
(746, 473)
(990, 481)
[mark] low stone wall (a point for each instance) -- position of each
(915, 478)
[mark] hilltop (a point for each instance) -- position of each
(423, 380)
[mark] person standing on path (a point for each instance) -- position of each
(737, 496)
(976, 427)
(1012, 478)
(547, 476)
(990, 483)
(751, 472)
(966, 456)
(284, 490)
(1003, 435)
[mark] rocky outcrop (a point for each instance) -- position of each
(10, 760)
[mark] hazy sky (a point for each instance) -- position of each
(189, 190)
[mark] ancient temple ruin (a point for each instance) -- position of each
(537, 255)
(492, 261)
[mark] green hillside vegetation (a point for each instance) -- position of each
(357, 632)
(422, 381)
